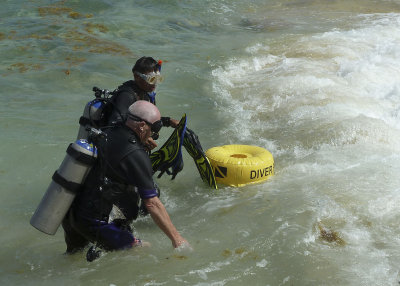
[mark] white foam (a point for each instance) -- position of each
(262, 264)
(329, 108)
(341, 74)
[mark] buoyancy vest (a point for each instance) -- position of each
(125, 95)
(104, 187)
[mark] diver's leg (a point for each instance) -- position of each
(74, 240)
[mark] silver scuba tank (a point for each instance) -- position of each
(90, 118)
(65, 184)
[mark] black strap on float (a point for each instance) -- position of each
(70, 186)
(81, 157)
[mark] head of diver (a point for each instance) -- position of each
(144, 119)
(146, 73)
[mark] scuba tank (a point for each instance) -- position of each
(65, 184)
(95, 113)
(91, 116)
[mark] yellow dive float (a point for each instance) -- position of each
(239, 165)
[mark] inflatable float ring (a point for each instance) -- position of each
(239, 165)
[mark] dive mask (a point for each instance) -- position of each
(151, 78)
(155, 127)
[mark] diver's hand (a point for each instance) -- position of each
(150, 144)
(173, 122)
(181, 243)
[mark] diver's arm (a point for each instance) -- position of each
(174, 122)
(160, 216)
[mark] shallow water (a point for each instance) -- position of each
(314, 82)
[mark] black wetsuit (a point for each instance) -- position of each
(124, 96)
(121, 173)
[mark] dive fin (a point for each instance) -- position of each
(169, 157)
(192, 145)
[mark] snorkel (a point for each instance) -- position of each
(159, 64)
(152, 95)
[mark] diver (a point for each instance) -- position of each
(121, 176)
(146, 76)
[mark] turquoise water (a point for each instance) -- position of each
(314, 82)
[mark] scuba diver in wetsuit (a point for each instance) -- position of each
(146, 74)
(121, 175)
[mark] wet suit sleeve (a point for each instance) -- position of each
(137, 170)
(166, 121)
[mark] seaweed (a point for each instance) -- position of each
(328, 235)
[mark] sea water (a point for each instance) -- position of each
(314, 82)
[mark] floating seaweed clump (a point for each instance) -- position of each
(77, 15)
(23, 67)
(241, 252)
(75, 35)
(46, 11)
(74, 61)
(176, 256)
(226, 253)
(56, 11)
(95, 45)
(329, 235)
(90, 28)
